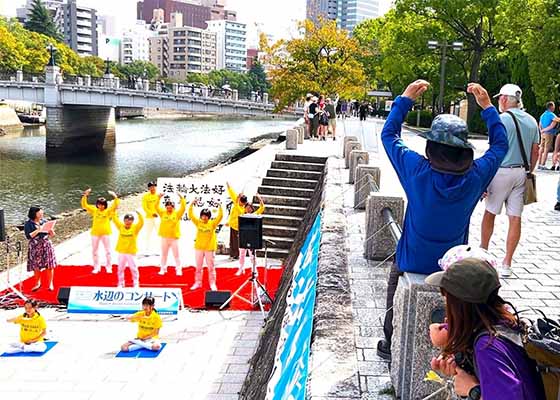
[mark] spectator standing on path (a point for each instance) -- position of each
(330, 108)
(306, 113)
(314, 117)
(548, 130)
(508, 186)
(363, 110)
(442, 189)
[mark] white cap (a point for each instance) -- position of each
(510, 90)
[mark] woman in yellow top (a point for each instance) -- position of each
(126, 246)
(205, 244)
(233, 221)
(149, 201)
(101, 215)
(33, 329)
(248, 209)
(149, 324)
(170, 232)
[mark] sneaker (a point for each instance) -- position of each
(179, 271)
(240, 272)
(557, 206)
(96, 270)
(505, 271)
(384, 349)
(541, 167)
(553, 168)
(213, 287)
(196, 286)
(162, 271)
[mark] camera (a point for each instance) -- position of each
(464, 362)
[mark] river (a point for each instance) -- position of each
(145, 150)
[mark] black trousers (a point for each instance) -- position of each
(391, 289)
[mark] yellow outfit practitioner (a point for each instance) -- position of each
(127, 248)
(170, 232)
(149, 203)
(205, 245)
(148, 328)
(30, 335)
(100, 231)
(233, 223)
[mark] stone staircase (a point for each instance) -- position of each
(286, 191)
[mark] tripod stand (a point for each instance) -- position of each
(8, 282)
(257, 288)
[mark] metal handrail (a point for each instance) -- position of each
(390, 222)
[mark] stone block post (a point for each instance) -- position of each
(265, 98)
(291, 139)
(301, 134)
(116, 82)
(367, 180)
(146, 85)
(19, 75)
(80, 81)
(87, 80)
(348, 148)
(175, 88)
(346, 140)
(411, 349)
(235, 95)
(204, 92)
(357, 157)
(379, 243)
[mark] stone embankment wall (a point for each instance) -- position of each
(9, 118)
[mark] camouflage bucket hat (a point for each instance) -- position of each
(450, 130)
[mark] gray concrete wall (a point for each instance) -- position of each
(76, 129)
(9, 118)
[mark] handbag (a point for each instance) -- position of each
(530, 180)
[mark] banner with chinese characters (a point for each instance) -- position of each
(111, 300)
(207, 193)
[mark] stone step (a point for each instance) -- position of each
(289, 183)
(276, 254)
(279, 242)
(299, 166)
(271, 200)
(291, 174)
(279, 231)
(283, 210)
(301, 158)
(280, 220)
(283, 191)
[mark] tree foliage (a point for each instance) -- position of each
(40, 20)
(324, 60)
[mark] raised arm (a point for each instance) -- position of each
(158, 208)
(193, 217)
(260, 210)
(231, 192)
(114, 203)
(84, 203)
(183, 205)
(219, 216)
(115, 218)
(140, 222)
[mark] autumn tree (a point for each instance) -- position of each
(324, 60)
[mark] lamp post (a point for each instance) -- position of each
(51, 49)
(434, 45)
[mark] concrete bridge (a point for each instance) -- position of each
(81, 110)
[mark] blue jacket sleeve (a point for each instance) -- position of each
(488, 164)
(403, 159)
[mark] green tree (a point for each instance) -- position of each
(258, 77)
(137, 68)
(40, 20)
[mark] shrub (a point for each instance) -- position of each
(425, 118)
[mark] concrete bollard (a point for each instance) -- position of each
(265, 98)
(346, 140)
(87, 80)
(367, 179)
(19, 75)
(80, 81)
(175, 88)
(411, 349)
(235, 95)
(291, 139)
(357, 157)
(379, 243)
(301, 134)
(348, 148)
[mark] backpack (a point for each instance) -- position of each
(541, 342)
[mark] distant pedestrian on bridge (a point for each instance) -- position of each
(442, 189)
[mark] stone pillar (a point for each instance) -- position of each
(80, 81)
(146, 85)
(175, 88)
(301, 134)
(411, 349)
(235, 95)
(348, 148)
(51, 75)
(87, 80)
(346, 140)
(357, 157)
(108, 80)
(116, 82)
(79, 129)
(19, 75)
(379, 244)
(291, 139)
(158, 86)
(265, 98)
(367, 180)
(204, 92)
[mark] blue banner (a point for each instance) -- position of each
(289, 375)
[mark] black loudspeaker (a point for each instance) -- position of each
(215, 299)
(63, 295)
(2, 226)
(250, 232)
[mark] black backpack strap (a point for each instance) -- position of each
(520, 141)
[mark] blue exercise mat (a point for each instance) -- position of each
(50, 345)
(142, 353)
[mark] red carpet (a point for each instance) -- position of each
(66, 276)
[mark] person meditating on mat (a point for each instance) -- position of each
(205, 244)
(33, 329)
(101, 215)
(126, 246)
(40, 251)
(149, 202)
(149, 324)
(233, 222)
(248, 209)
(170, 232)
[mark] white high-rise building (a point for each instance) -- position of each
(352, 12)
(134, 44)
(231, 44)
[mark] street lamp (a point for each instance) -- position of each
(434, 45)
(51, 49)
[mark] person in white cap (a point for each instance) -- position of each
(508, 186)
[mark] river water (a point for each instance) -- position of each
(145, 150)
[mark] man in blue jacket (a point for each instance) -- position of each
(442, 189)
